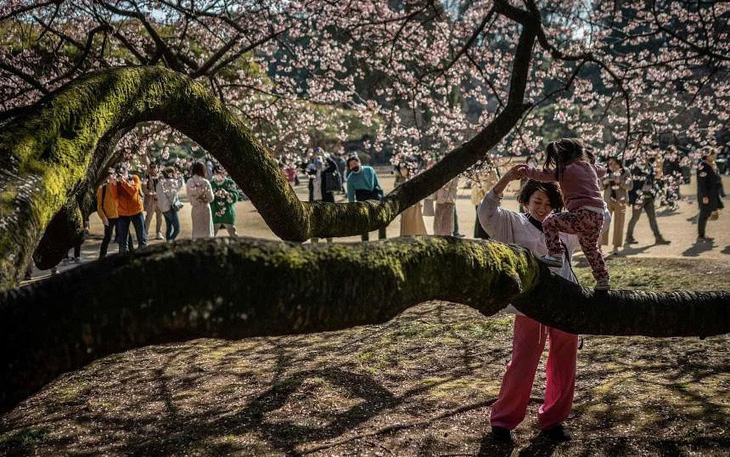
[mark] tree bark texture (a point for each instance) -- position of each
(59, 149)
(223, 288)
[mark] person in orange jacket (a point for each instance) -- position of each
(106, 207)
(128, 192)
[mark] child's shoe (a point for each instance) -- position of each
(552, 261)
(602, 284)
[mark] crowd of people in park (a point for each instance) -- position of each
(125, 198)
(624, 190)
(571, 202)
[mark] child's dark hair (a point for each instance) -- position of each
(551, 189)
(560, 153)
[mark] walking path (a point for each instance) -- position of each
(677, 226)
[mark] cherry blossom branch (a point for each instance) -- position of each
(701, 50)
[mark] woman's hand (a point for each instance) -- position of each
(513, 174)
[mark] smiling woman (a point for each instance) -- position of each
(540, 200)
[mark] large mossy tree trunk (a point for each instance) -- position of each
(226, 288)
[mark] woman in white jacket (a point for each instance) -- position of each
(200, 194)
(169, 202)
(525, 229)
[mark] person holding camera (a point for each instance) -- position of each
(128, 192)
(106, 207)
(616, 186)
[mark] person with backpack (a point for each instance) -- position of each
(169, 202)
(362, 185)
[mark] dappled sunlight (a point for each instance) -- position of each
(421, 383)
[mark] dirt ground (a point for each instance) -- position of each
(678, 226)
(419, 385)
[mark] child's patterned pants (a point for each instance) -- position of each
(584, 223)
(527, 346)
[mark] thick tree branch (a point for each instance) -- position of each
(54, 145)
(246, 288)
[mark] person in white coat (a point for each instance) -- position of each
(200, 194)
(525, 229)
(169, 202)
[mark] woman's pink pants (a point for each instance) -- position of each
(527, 345)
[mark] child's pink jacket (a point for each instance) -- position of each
(579, 183)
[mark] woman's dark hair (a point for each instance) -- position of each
(560, 153)
(198, 169)
(615, 159)
(551, 189)
(168, 172)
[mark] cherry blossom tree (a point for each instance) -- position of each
(452, 82)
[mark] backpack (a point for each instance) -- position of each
(333, 181)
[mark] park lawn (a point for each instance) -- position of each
(420, 384)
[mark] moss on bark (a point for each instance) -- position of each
(54, 153)
(240, 288)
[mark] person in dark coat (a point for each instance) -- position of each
(641, 198)
(324, 180)
(709, 192)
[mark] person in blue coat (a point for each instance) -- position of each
(362, 185)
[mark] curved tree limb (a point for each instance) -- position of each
(47, 152)
(244, 288)
(50, 150)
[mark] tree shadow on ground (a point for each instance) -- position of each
(420, 384)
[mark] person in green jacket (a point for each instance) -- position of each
(225, 196)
